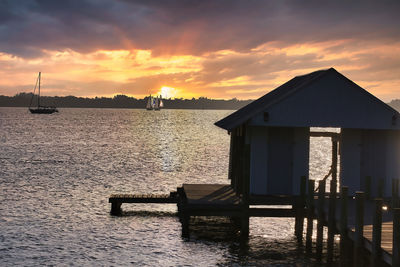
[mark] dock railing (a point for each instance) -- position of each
(370, 226)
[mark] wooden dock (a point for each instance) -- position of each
(370, 227)
(116, 200)
(361, 223)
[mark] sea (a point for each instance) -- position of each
(57, 172)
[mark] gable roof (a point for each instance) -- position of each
(282, 92)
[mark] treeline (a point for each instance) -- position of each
(118, 101)
(395, 104)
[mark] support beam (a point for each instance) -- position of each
(344, 239)
(299, 206)
(116, 208)
(331, 221)
(396, 237)
(395, 193)
(332, 202)
(310, 215)
(359, 231)
(321, 218)
(376, 255)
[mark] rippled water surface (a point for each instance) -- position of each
(57, 171)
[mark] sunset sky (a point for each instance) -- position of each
(216, 49)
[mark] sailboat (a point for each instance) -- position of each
(154, 103)
(149, 105)
(40, 109)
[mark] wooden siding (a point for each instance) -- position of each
(301, 157)
(259, 159)
(350, 153)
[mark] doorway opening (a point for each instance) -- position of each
(324, 157)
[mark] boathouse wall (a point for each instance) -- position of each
(374, 153)
(278, 158)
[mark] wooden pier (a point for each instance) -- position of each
(367, 228)
(116, 200)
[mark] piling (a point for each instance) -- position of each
(396, 237)
(368, 187)
(331, 220)
(395, 193)
(359, 230)
(300, 202)
(310, 215)
(321, 218)
(185, 219)
(376, 255)
(116, 208)
(244, 227)
(381, 187)
(344, 240)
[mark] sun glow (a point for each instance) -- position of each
(168, 92)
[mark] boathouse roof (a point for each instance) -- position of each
(324, 98)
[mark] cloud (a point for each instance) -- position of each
(187, 27)
(210, 48)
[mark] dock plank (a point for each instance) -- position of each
(387, 226)
(210, 194)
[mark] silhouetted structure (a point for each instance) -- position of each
(40, 109)
(276, 130)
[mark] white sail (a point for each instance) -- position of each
(149, 104)
(156, 104)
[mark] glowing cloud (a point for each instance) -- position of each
(195, 48)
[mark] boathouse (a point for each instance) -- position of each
(270, 137)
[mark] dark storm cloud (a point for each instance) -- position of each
(187, 27)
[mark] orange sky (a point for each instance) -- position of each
(201, 55)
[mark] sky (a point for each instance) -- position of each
(193, 48)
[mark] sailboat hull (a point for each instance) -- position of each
(43, 110)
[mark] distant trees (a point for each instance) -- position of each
(395, 103)
(120, 101)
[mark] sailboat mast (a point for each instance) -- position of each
(39, 90)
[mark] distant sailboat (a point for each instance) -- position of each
(154, 103)
(40, 109)
(149, 105)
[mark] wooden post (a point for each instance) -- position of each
(331, 220)
(376, 254)
(344, 245)
(300, 202)
(381, 187)
(244, 226)
(244, 220)
(332, 203)
(321, 218)
(246, 174)
(396, 237)
(368, 187)
(359, 231)
(116, 208)
(185, 225)
(395, 193)
(310, 213)
(334, 158)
